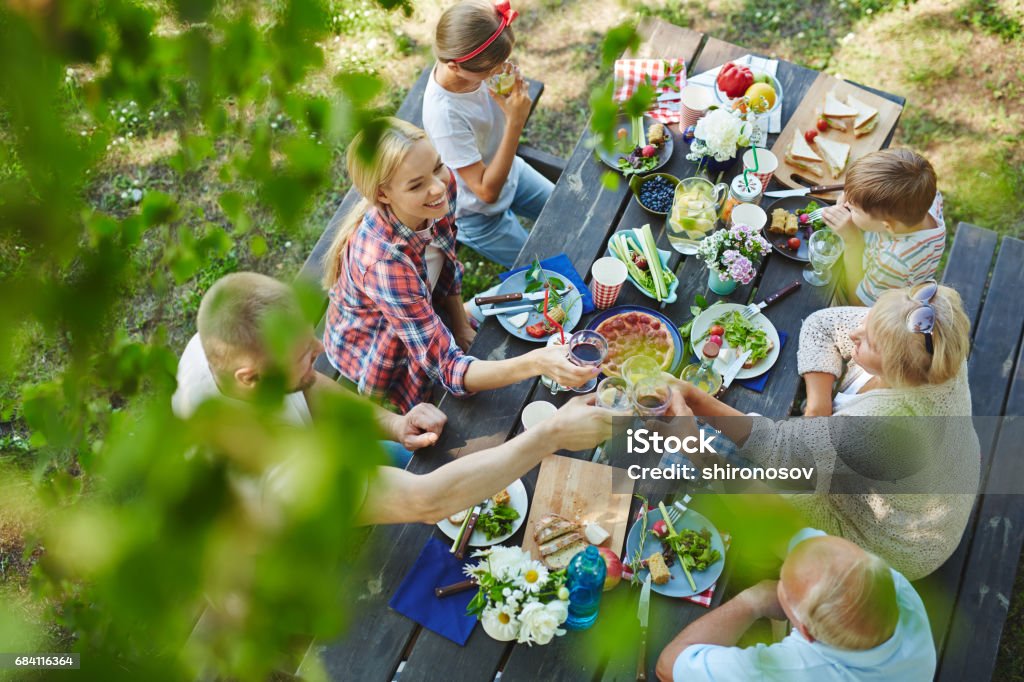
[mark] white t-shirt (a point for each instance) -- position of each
(196, 385)
(466, 127)
(847, 394)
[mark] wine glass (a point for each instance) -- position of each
(552, 385)
(651, 396)
(823, 249)
(587, 348)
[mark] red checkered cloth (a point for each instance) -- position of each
(702, 599)
(629, 73)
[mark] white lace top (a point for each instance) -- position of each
(915, 533)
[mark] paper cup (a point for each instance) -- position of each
(767, 164)
(695, 101)
(536, 412)
(606, 279)
(749, 214)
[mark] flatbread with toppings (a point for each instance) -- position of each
(636, 333)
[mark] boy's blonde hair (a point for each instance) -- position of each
(397, 138)
(892, 184)
(905, 359)
(464, 27)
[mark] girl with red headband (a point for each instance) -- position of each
(477, 131)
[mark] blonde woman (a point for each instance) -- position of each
(904, 363)
(477, 130)
(392, 266)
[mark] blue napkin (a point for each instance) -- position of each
(757, 383)
(564, 267)
(436, 567)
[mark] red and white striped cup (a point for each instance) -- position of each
(767, 164)
(695, 101)
(606, 279)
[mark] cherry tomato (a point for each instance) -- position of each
(716, 339)
(810, 135)
(537, 331)
(822, 124)
(793, 243)
(660, 528)
(717, 330)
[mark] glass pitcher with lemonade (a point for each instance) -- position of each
(694, 212)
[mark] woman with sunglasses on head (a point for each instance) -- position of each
(476, 129)
(902, 362)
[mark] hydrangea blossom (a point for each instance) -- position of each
(733, 253)
(719, 134)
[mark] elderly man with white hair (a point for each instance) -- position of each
(853, 617)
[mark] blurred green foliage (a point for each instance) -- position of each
(145, 520)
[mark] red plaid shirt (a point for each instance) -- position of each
(383, 332)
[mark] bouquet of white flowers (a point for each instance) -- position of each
(720, 134)
(732, 253)
(519, 597)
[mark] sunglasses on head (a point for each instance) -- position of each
(921, 320)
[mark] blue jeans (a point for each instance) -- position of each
(500, 237)
(397, 455)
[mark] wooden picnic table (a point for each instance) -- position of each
(578, 220)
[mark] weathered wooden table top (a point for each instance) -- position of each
(578, 220)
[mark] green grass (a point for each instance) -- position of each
(988, 16)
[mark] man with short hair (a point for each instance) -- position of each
(253, 341)
(853, 617)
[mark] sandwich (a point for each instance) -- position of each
(836, 114)
(558, 540)
(802, 156)
(867, 116)
(836, 154)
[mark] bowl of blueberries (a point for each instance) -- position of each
(654, 192)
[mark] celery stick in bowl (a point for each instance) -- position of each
(625, 246)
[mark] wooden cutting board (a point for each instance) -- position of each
(581, 491)
(806, 117)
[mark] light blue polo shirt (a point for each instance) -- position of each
(906, 656)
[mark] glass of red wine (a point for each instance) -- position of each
(587, 348)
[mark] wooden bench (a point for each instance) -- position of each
(411, 110)
(969, 596)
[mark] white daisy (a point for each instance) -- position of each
(532, 576)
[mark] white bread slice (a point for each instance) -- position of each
(836, 109)
(551, 526)
(562, 557)
(457, 518)
(802, 156)
(867, 116)
(554, 546)
(836, 154)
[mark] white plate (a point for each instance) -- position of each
(707, 318)
(518, 500)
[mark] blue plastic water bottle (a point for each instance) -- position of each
(586, 585)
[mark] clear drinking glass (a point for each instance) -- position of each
(638, 367)
(502, 81)
(587, 348)
(552, 385)
(823, 250)
(651, 396)
(613, 394)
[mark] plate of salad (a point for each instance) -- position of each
(636, 249)
(500, 518)
(691, 547)
(758, 335)
(641, 146)
(565, 305)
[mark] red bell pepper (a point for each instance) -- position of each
(734, 79)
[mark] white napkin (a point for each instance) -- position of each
(769, 66)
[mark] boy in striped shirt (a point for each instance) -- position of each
(890, 219)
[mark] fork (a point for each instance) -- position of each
(678, 508)
(755, 308)
(815, 214)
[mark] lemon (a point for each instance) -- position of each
(761, 96)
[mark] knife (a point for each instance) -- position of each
(774, 298)
(803, 191)
(460, 551)
(508, 298)
(734, 369)
(643, 611)
(503, 310)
